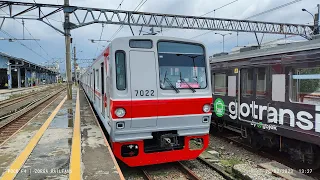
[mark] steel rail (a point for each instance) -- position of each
(10, 127)
(188, 171)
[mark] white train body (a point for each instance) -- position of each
(153, 96)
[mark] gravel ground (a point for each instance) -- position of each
(202, 171)
(165, 172)
(234, 153)
(260, 174)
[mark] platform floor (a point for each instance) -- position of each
(64, 141)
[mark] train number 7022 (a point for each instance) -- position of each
(144, 92)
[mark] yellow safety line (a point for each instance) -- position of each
(75, 159)
(21, 159)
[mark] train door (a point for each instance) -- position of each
(94, 86)
(220, 82)
(144, 89)
(108, 97)
(90, 86)
(253, 87)
(262, 95)
(103, 100)
(232, 94)
(246, 95)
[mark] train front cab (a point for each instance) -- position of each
(161, 101)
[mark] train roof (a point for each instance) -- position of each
(156, 38)
(282, 49)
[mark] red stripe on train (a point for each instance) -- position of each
(165, 107)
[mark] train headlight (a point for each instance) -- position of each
(206, 108)
(120, 112)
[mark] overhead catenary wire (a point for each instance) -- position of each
(44, 15)
(95, 54)
(219, 8)
(138, 5)
(135, 9)
(59, 13)
(256, 15)
(9, 35)
(30, 35)
(211, 12)
(273, 9)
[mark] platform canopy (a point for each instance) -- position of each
(21, 63)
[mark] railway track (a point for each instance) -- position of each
(216, 168)
(276, 156)
(11, 125)
(9, 102)
(17, 104)
(188, 174)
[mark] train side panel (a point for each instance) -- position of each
(272, 100)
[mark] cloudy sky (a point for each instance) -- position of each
(51, 45)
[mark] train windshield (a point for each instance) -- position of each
(181, 66)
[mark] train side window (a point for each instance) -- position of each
(278, 87)
(261, 84)
(246, 82)
(305, 85)
(220, 84)
(120, 70)
(232, 86)
(97, 79)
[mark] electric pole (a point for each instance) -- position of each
(223, 35)
(22, 28)
(318, 20)
(68, 57)
(74, 65)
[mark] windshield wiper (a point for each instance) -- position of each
(193, 90)
(169, 82)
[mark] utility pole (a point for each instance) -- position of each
(22, 28)
(68, 57)
(223, 35)
(74, 65)
(318, 21)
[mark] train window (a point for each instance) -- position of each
(97, 79)
(305, 85)
(246, 82)
(232, 86)
(181, 66)
(261, 84)
(220, 84)
(145, 44)
(120, 70)
(278, 87)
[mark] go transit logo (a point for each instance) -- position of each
(219, 107)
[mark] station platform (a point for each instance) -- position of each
(63, 141)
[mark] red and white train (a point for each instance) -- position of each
(153, 95)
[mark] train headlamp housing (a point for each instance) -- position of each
(206, 108)
(120, 112)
